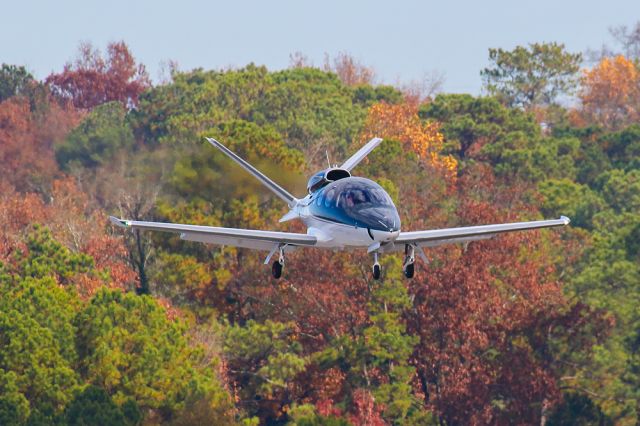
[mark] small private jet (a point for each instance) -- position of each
(340, 211)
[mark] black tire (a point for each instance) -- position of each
(377, 271)
(276, 270)
(409, 270)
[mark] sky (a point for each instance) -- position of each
(403, 40)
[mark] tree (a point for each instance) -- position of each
(129, 347)
(310, 108)
(37, 352)
(627, 40)
(93, 80)
(486, 359)
(401, 122)
(264, 360)
(97, 139)
(573, 200)
(14, 406)
(349, 71)
(623, 148)
(14, 81)
(24, 150)
(509, 139)
(72, 241)
(610, 93)
(534, 76)
(94, 406)
(470, 123)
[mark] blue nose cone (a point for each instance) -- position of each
(378, 218)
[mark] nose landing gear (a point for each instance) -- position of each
(408, 266)
(377, 270)
(278, 265)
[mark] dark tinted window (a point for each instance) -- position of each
(356, 192)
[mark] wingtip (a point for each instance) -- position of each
(118, 222)
(565, 219)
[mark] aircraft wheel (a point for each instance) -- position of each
(409, 270)
(377, 271)
(276, 269)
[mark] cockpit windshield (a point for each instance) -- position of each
(356, 196)
(356, 193)
(356, 201)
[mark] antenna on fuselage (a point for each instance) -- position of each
(326, 153)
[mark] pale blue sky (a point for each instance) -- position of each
(402, 40)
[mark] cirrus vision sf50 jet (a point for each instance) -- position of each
(340, 211)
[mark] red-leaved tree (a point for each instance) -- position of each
(93, 80)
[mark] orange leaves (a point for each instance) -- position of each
(610, 92)
(73, 224)
(24, 159)
(401, 122)
(26, 142)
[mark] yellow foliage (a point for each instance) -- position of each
(401, 122)
(610, 92)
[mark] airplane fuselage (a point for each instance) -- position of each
(350, 212)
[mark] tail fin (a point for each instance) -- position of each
(274, 187)
(359, 156)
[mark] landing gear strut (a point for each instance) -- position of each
(278, 265)
(377, 270)
(408, 266)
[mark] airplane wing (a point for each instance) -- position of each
(356, 158)
(438, 237)
(247, 238)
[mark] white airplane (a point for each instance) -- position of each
(340, 211)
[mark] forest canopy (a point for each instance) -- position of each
(99, 326)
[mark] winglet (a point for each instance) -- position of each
(274, 187)
(565, 219)
(119, 222)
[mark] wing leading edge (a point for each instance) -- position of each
(438, 237)
(246, 238)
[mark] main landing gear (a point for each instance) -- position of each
(408, 266)
(278, 265)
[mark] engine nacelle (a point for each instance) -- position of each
(323, 177)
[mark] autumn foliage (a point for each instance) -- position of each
(610, 92)
(401, 122)
(27, 139)
(146, 328)
(93, 80)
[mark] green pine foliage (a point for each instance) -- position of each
(103, 133)
(99, 361)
